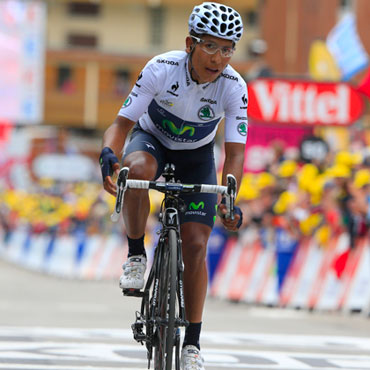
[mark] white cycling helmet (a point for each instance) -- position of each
(216, 20)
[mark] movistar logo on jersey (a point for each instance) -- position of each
(243, 128)
(177, 131)
(206, 113)
(194, 206)
(127, 102)
(196, 209)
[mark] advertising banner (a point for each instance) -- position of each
(22, 49)
(304, 103)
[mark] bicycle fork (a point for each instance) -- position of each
(146, 317)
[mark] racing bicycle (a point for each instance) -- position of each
(162, 312)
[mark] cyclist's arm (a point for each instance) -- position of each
(114, 138)
(234, 162)
(236, 131)
(132, 109)
(116, 134)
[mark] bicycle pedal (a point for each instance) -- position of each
(132, 293)
(139, 335)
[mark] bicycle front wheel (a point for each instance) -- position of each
(167, 305)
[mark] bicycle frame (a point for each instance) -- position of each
(172, 204)
(149, 303)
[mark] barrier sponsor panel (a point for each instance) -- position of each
(331, 278)
(70, 256)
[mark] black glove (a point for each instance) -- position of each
(237, 211)
(106, 160)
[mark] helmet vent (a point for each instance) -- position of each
(216, 20)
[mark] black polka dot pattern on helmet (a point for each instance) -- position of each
(216, 20)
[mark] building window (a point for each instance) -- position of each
(156, 15)
(345, 7)
(252, 18)
(65, 81)
(122, 83)
(84, 8)
(345, 4)
(82, 40)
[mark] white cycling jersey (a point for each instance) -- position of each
(182, 114)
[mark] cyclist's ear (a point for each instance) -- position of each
(189, 44)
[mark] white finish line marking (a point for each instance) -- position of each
(65, 349)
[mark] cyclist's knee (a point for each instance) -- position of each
(194, 241)
(143, 166)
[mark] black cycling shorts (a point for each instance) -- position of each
(195, 166)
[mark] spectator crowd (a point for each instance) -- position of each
(288, 201)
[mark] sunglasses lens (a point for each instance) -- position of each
(212, 48)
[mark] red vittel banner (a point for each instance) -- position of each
(303, 102)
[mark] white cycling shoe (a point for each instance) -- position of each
(191, 359)
(133, 273)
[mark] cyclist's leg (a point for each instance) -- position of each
(143, 156)
(196, 225)
(194, 240)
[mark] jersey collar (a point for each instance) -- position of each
(189, 79)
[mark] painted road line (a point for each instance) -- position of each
(64, 349)
(100, 355)
(341, 344)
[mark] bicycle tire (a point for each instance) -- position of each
(167, 306)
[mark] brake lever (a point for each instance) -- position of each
(121, 187)
(230, 199)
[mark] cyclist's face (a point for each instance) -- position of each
(208, 66)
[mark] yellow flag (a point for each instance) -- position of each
(321, 64)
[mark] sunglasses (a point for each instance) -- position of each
(211, 47)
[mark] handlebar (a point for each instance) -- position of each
(123, 183)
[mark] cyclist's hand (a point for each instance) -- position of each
(229, 224)
(109, 164)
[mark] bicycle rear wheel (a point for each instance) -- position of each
(167, 306)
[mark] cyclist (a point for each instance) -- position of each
(174, 109)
